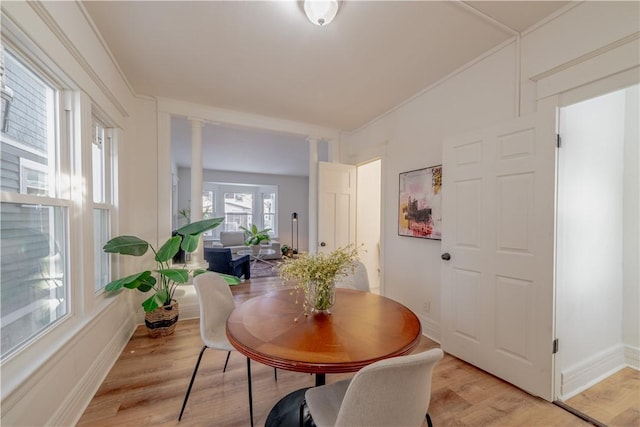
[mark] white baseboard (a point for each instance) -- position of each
(430, 328)
(632, 357)
(583, 375)
(77, 401)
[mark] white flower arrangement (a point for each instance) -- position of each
(316, 274)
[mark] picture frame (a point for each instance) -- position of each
(420, 203)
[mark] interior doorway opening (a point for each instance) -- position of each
(597, 264)
(368, 219)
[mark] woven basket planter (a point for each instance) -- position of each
(162, 321)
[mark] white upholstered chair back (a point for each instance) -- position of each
(391, 392)
(216, 304)
(359, 279)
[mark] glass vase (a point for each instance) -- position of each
(321, 296)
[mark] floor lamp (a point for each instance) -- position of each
(294, 223)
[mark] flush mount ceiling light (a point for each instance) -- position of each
(321, 12)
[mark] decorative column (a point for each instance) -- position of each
(196, 183)
(313, 194)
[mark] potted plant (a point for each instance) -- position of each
(287, 251)
(315, 275)
(161, 310)
(255, 237)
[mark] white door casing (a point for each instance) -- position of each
(336, 205)
(498, 227)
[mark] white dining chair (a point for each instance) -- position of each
(216, 304)
(390, 392)
(358, 279)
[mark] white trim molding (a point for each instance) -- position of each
(583, 375)
(217, 115)
(632, 357)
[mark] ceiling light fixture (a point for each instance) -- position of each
(321, 12)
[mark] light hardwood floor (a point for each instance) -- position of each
(615, 401)
(147, 384)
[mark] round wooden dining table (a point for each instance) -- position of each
(361, 329)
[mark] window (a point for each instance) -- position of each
(269, 210)
(44, 149)
(33, 178)
(101, 172)
(238, 210)
(34, 280)
(241, 205)
(208, 211)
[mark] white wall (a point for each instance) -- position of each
(368, 219)
(631, 238)
(554, 56)
(52, 380)
(412, 135)
(589, 275)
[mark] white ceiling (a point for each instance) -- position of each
(266, 58)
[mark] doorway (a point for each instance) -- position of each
(597, 272)
(368, 218)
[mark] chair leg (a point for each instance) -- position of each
(193, 377)
(429, 423)
(275, 373)
(226, 361)
(250, 396)
(301, 419)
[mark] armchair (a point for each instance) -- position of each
(221, 261)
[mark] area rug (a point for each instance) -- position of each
(261, 269)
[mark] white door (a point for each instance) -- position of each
(498, 227)
(336, 205)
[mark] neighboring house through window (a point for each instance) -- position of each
(34, 214)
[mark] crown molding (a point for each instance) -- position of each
(51, 23)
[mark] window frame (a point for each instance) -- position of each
(72, 192)
(257, 191)
(59, 137)
(25, 164)
(107, 203)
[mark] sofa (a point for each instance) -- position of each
(234, 240)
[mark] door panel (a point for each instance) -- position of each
(498, 222)
(336, 205)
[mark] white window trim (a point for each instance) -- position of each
(34, 166)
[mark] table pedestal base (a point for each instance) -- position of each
(286, 413)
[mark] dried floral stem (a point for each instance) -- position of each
(317, 274)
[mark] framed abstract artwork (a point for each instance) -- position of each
(420, 204)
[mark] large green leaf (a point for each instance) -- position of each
(199, 227)
(176, 274)
(126, 245)
(169, 249)
(131, 282)
(151, 303)
(199, 271)
(163, 296)
(147, 285)
(190, 242)
(231, 280)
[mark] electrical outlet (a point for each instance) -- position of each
(427, 306)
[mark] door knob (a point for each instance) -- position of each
(323, 244)
(445, 256)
